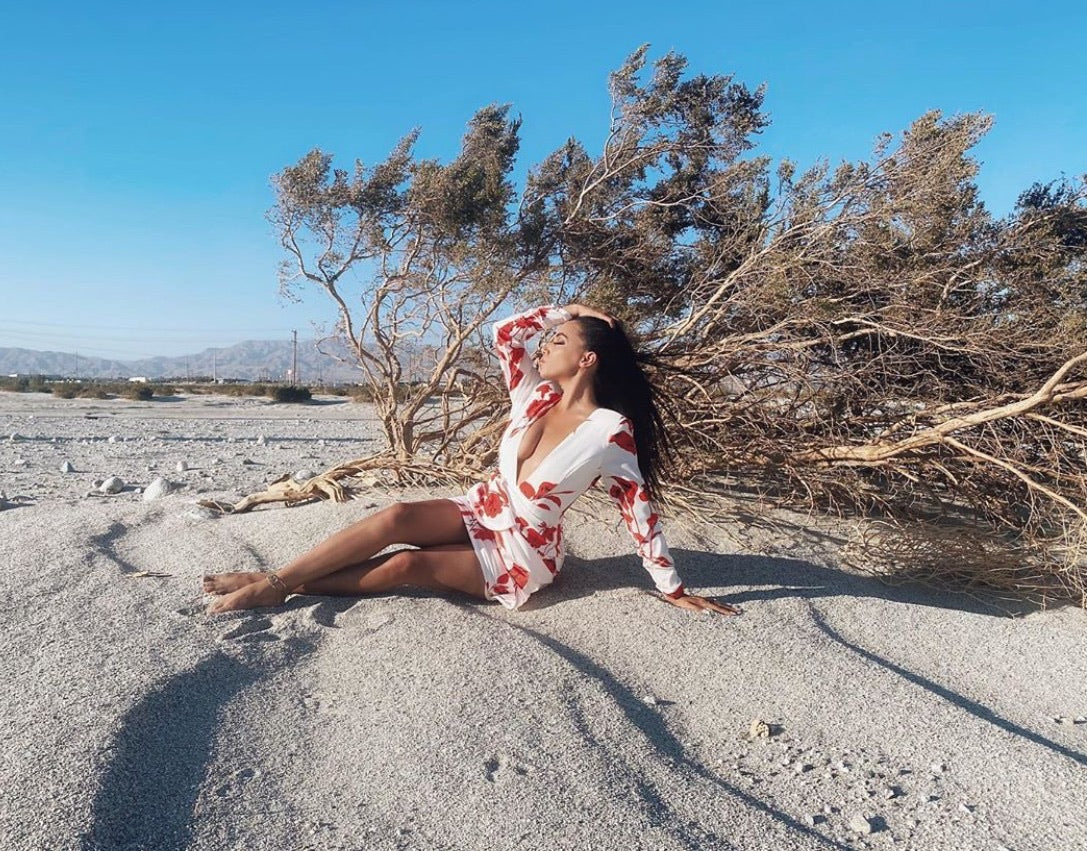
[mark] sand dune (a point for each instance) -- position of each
(595, 717)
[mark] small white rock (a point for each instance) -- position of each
(1079, 719)
(157, 489)
(67, 467)
(938, 767)
(113, 439)
(304, 475)
(112, 485)
(648, 700)
(15, 436)
(262, 440)
(20, 462)
(182, 466)
(860, 824)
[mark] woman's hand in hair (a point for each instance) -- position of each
(576, 310)
(702, 604)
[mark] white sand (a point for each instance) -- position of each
(595, 717)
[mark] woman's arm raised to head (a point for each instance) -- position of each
(510, 337)
(622, 478)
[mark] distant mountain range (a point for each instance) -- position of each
(252, 360)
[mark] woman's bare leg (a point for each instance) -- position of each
(450, 567)
(427, 523)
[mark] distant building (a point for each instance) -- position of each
(139, 379)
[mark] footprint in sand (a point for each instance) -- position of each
(499, 768)
(251, 629)
(325, 614)
(237, 780)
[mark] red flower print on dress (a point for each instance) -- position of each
(545, 536)
(625, 492)
(520, 575)
(510, 336)
(625, 440)
(537, 406)
(545, 496)
(493, 502)
(516, 373)
(482, 533)
(516, 575)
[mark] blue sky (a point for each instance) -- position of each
(137, 140)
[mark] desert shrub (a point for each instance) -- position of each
(66, 391)
(365, 393)
(140, 392)
(291, 394)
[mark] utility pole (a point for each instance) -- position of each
(294, 368)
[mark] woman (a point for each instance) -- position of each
(573, 423)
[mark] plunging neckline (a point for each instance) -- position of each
(517, 458)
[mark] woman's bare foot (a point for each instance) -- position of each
(251, 596)
(224, 583)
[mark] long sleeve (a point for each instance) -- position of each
(510, 337)
(622, 478)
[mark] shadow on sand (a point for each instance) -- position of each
(159, 760)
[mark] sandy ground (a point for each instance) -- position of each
(595, 717)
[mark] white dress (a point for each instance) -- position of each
(516, 530)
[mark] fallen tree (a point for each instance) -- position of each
(866, 339)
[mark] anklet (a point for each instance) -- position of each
(277, 583)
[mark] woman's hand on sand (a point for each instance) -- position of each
(576, 310)
(703, 604)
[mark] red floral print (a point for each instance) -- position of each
(544, 537)
(510, 336)
(493, 502)
(482, 533)
(545, 495)
(624, 439)
(548, 397)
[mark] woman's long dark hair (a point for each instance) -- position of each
(621, 384)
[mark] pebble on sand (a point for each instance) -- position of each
(182, 466)
(157, 489)
(861, 824)
(112, 485)
(67, 467)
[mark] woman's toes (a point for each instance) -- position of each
(252, 596)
